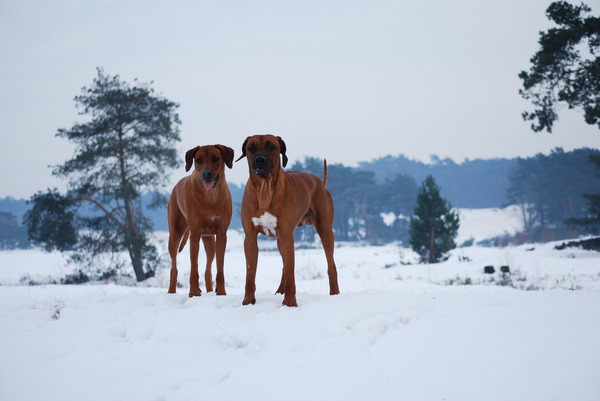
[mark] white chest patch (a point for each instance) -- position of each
(268, 223)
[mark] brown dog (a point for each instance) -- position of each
(200, 207)
(275, 203)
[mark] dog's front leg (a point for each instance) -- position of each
(221, 245)
(281, 288)
(251, 252)
(285, 243)
(209, 249)
(194, 276)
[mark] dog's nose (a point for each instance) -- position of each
(260, 160)
(207, 175)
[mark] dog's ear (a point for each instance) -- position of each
(189, 158)
(282, 150)
(243, 150)
(227, 154)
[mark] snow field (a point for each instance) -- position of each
(116, 343)
(396, 332)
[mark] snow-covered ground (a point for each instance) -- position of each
(398, 330)
(482, 224)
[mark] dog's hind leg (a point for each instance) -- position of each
(328, 245)
(173, 251)
(177, 231)
(281, 288)
(323, 225)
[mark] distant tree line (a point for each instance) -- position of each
(361, 203)
(590, 222)
(551, 190)
(471, 184)
(12, 234)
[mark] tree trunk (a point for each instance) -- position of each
(135, 242)
(134, 246)
(432, 258)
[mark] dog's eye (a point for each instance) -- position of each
(215, 159)
(270, 147)
(252, 148)
(199, 161)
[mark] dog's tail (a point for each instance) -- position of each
(184, 239)
(324, 172)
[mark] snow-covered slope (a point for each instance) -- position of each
(482, 224)
(397, 331)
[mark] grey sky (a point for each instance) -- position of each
(344, 80)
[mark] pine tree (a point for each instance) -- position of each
(566, 68)
(434, 224)
(122, 151)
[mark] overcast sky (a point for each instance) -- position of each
(344, 80)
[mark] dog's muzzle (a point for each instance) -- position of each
(208, 180)
(261, 166)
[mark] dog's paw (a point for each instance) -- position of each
(195, 293)
(249, 301)
(290, 301)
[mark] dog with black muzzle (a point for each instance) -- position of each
(200, 207)
(275, 203)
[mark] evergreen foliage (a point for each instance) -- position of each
(51, 221)
(434, 224)
(566, 69)
(122, 152)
